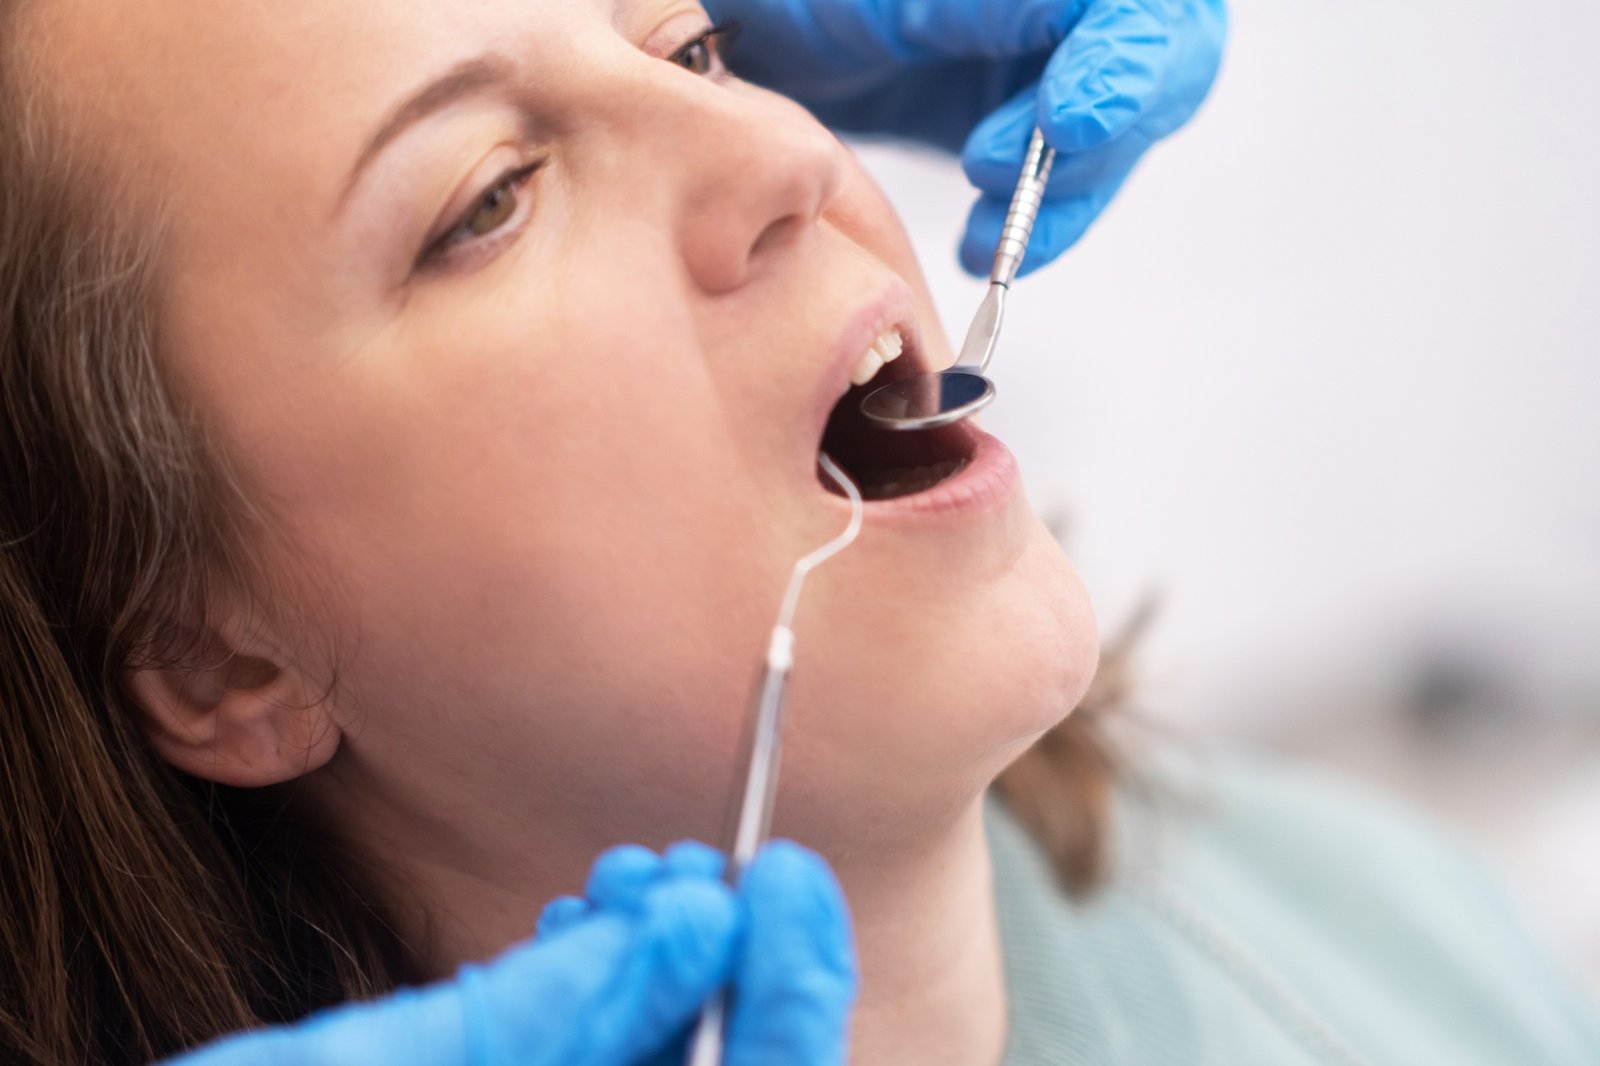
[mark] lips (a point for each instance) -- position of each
(886, 465)
(894, 307)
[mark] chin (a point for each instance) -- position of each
(881, 743)
(1028, 661)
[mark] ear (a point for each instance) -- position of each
(243, 714)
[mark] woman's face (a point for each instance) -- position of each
(523, 320)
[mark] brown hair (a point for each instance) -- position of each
(147, 911)
(1061, 788)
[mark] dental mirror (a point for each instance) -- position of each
(945, 396)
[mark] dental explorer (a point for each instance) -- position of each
(753, 818)
(946, 396)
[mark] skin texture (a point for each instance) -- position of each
(541, 496)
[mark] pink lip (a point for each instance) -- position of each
(894, 305)
(990, 478)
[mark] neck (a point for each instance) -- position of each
(932, 988)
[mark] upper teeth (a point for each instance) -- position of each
(886, 349)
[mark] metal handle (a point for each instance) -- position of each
(705, 1047)
(1024, 209)
(751, 817)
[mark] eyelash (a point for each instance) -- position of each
(459, 233)
(716, 39)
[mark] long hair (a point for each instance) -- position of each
(1061, 788)
(146, 911)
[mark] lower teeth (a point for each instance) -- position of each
(903, 481)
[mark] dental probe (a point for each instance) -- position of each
(938, 399)
(762, 748)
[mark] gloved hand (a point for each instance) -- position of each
(617, 977)
(793, 976)
(1103, 80)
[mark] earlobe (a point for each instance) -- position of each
(242, 717)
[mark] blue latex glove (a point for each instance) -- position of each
(617, 978)
(1103, 79)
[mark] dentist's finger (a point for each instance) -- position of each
(992, 157)
(621, 875)
(1061, 223)
(796, 977)
(561, 914)
(1108, 74)
(690, 858)
(615, 988)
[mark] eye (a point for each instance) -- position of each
(695, 57)
(489, 214)
(492, 211)
(703, 53)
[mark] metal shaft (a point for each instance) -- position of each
(1024, 209)
(751, 817)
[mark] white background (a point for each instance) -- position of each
(1327, 379)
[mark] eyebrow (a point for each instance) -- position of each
(467, 78)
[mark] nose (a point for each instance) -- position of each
(753, 174)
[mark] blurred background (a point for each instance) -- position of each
(1326, 380)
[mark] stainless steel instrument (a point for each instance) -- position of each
(946, 396)
(752, 815)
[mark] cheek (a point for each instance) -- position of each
(551, 550)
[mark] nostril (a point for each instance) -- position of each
(761, 189)
(776, 234)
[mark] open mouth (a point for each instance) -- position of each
(887, 464)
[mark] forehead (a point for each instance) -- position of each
(262, 82)
(158, 54)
